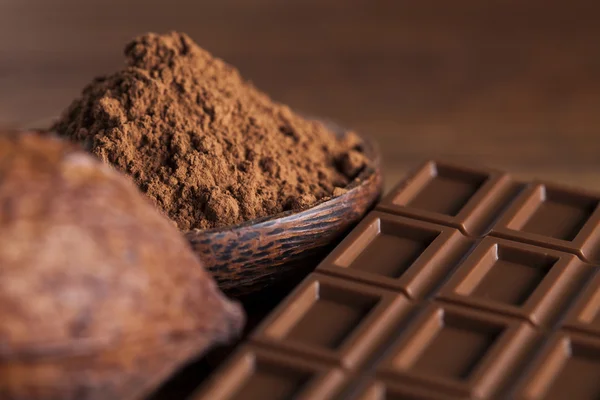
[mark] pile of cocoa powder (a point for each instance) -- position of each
(204, 144)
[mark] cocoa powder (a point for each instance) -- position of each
(205, 145)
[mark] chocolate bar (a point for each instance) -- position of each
(463, 283)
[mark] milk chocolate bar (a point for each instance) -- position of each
(463, 283)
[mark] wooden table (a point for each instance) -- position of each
(510, 84)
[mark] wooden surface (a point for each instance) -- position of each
(510, 84)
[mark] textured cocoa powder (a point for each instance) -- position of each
(207, 146)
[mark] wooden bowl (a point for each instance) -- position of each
(250, 257)
(255, 255)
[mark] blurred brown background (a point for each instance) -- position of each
(511, 84)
